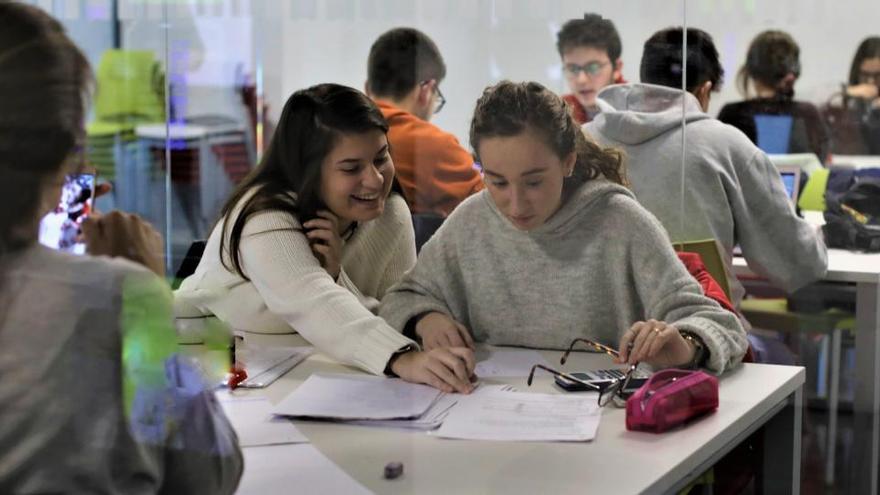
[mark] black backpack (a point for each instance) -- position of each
(852, 217)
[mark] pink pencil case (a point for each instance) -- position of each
(670, 398)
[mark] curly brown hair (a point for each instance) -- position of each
(508, 108)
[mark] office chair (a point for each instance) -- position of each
(711, 254)
(130, 91)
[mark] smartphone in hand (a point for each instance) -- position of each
(61, 228)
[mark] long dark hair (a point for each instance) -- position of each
(868, 48)
(288, 178)
(45, 82)
(771, 56)
(508, 108)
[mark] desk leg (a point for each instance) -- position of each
(867, 401)
(782, 448)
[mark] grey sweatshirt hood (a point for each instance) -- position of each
(634, 113)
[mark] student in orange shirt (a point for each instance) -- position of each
(404, 71)
(590, 50)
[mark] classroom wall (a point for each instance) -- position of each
(295, 43)
(484, 41)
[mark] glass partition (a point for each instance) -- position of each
(190, 93)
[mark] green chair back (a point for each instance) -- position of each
(813, 193)
(710, 252)
(130, 87)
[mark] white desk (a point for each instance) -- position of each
(856, 161)
(618, 461)
(864, 271)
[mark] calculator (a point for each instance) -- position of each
(602, 378)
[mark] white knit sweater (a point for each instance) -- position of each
(289, 290)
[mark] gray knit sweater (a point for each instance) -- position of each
(599, 264)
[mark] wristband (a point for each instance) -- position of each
(701, 353)
(394, 356)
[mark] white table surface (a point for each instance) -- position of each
(618, 461)
(843, 266)
(857, 161)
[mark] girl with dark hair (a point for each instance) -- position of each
(557, 248)
(773, 119)
(853, 114)
(93, 398)
(314, 237)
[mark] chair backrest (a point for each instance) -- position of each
(130, 87)
(190, 262)
(813, 194)
(711, 254)
(425, 224)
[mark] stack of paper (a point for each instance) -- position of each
(505, 415)
(434, 416)
(357, 397)
(265, 364)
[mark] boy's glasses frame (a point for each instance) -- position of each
(591, 69)
(440, 96)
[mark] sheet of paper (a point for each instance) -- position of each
(507, 362)
(252, 419)
(503, 415)
(350, 397)
(264, 365)
(298, 468)
(434, 416)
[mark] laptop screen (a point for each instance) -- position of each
(789, 179)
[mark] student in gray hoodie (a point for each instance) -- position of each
(557, 248)
(732, 192)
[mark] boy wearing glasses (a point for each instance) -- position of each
(590, 49)
(404, 71)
